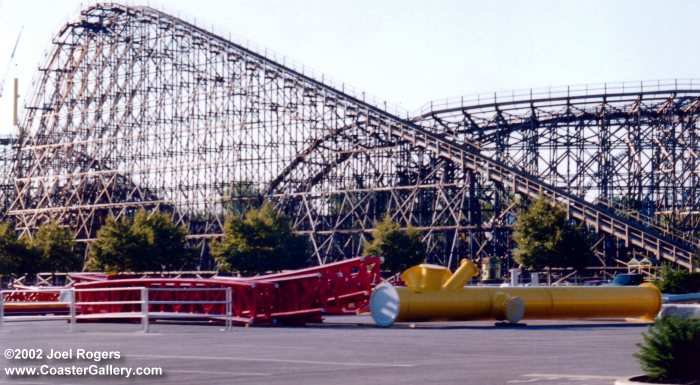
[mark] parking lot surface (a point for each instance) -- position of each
(344, 350)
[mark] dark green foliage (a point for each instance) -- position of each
(400, 249)
(165, 245)
(16, 258)
(678, 281)
(152, 243)
(56, 249)
(115, 247)
(242, 196)
(545, 238)
(261, 241)
(670, 350)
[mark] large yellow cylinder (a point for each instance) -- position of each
(390, 304)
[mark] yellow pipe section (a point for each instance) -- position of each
(424, 299)
(426, 277)
(466, 271)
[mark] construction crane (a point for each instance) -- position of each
(9, 63)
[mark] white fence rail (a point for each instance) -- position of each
(68, 299)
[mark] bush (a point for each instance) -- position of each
(670, 350)
(678, 281)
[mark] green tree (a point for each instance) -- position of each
(242, 196)
(152, 243)
(259, 242)
(165, 243)
(400, 248)
(56, 249)
(546, 238)
(116, 247)
(16, 258)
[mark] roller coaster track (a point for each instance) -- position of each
(222, 113)
(601, 220)
(7, 160)
(602, 130)
(465, 154)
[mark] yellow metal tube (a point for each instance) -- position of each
(390, 304)
(466, 271)
(426, 276)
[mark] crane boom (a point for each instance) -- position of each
(9, 63)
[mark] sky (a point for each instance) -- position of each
(409, 52)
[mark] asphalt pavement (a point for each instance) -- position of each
(344, 350)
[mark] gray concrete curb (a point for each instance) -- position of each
(680, 310)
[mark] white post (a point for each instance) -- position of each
(534, 279)
(229, 309)
(514, 277)
(71, 309)
(144, 309)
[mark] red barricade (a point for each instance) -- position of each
(292, 297)
(26, 295)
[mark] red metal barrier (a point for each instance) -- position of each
(249, 298)
(293, 297)
(26, 295)
(27, 301)
(344, 287)
(93, 276)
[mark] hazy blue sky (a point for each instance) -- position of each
(410, 52)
